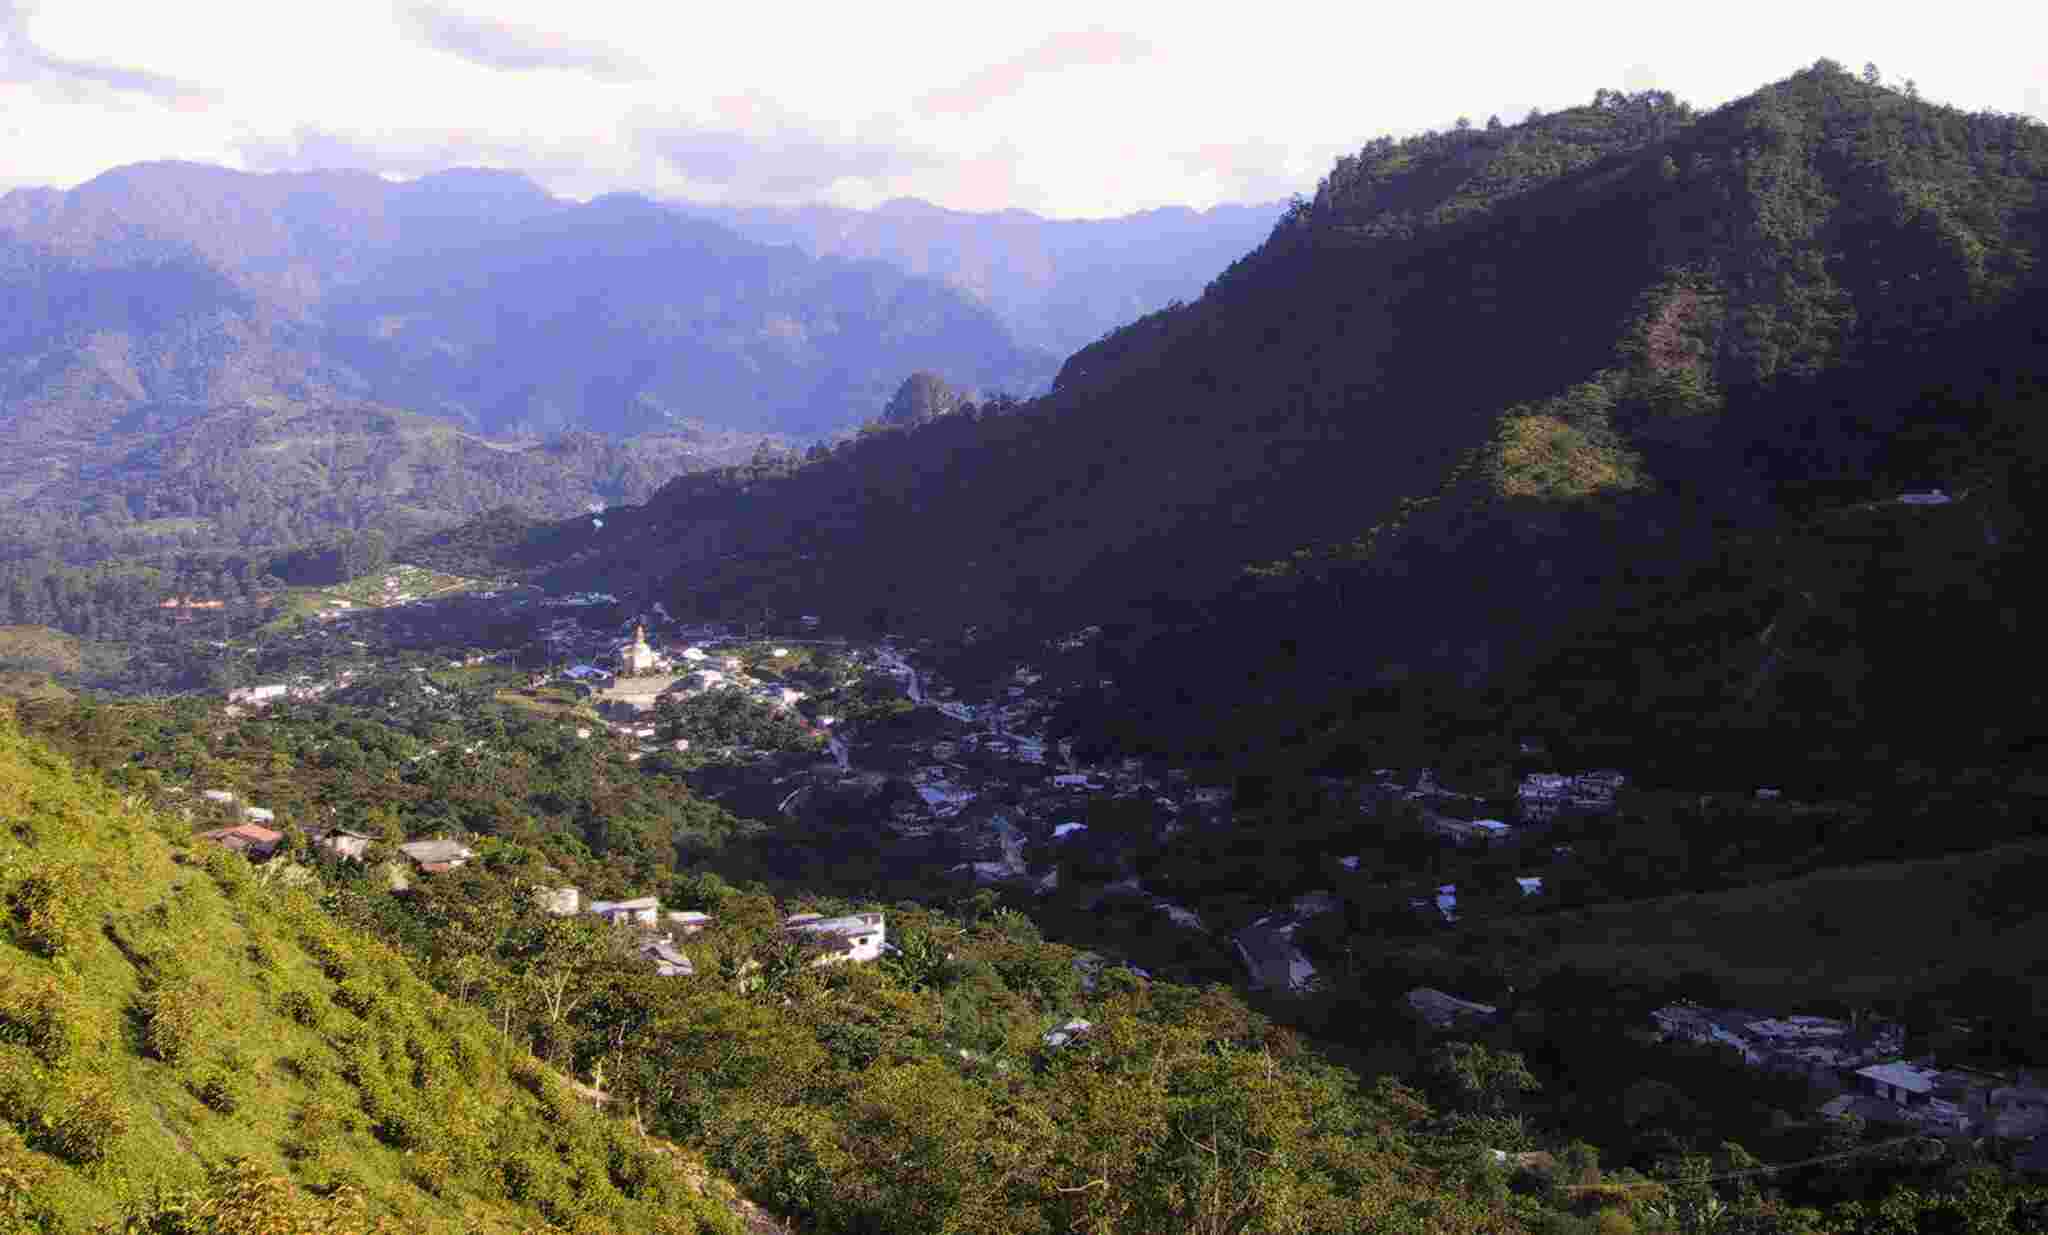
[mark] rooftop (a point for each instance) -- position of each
(243, 836)
(638, 904)
(850, 924)
(1902, 1075)
(435, 852)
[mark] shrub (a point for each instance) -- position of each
(400, 1123)
(433, 1170)
(45, 1017)
(298, 1004)
(533, 1176)
(310, 1067)
(50, 910)
(1614, 1222)
(468, 1053)
(174, 1012)
(527, 1073)
(333, 957)
(316, 1123)
(81, 1120)
(229, 869)
(218, 1089)
(358, 995)
(22, 1177)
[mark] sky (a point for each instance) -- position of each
(1069, 110)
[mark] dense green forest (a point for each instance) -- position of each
(246, 478)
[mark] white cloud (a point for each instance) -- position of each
(1057, 107)
(1067, 49)
(512, 46)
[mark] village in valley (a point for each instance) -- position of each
(959, 788)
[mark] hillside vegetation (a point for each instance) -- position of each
(918, 1094)
(190, 1044)
(266, 476)
(1869, 934)
(1058, 284)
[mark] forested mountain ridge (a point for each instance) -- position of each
(1619, 303)
(245, 476)
(622, 315)
(165, 305)
(1058, 284)
(167, 287)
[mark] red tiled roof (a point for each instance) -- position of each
(246, 836)
(439, 868)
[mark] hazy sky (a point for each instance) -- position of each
(1062, 108)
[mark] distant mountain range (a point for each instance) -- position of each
(174, 288)
(216, 306)
(1058, 284)
(1462, 436)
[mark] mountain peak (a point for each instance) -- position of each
(910, 207)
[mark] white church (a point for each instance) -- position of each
(637, 657)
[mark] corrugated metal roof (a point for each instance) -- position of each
(1900, 1074)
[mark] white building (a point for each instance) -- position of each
(638, 657)
(688, 921)
(258, 696)
(435, 856)
(343, 843)
(668, 960)
(558, 902)
(641, 911)
(854, 937)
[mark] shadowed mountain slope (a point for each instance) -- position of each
(1593, 332)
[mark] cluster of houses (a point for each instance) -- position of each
(248, 837)
(1543, 796)
(853, 937)
(1863, 1066)
(850, 937)
(628, 678)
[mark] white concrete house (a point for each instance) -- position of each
(434, 856)
(688, 921)
(343, 843)
(853, 937)
(641, 911)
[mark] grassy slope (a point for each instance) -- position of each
(1854, 933)
(139, 968)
